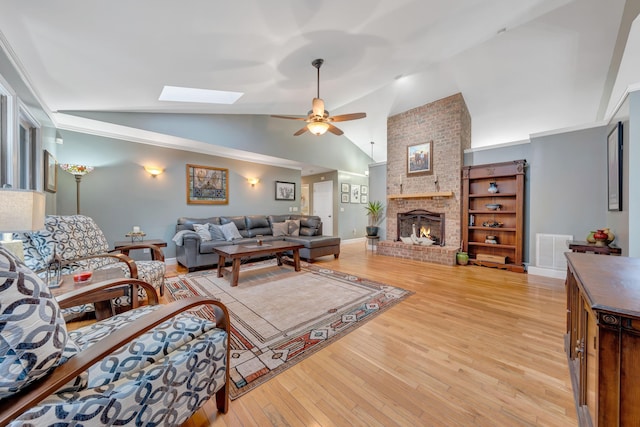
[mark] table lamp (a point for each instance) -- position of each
(20, 211)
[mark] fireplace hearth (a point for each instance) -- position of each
(423, 223)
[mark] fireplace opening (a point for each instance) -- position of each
(423, 224)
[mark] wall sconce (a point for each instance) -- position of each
(153, 171)
(253, 181)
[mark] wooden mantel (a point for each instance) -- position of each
(430, 195)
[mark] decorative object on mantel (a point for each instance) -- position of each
(78, 171)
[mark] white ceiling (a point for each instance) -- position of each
(550, 69)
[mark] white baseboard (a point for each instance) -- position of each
(547, 272)
(352, 241)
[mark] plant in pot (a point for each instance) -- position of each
(374, 209)
(462, 258)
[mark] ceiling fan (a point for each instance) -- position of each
(318, 119)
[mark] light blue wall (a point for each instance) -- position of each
(378, 191)
(119, 193)
(631, 169)
(252, 133)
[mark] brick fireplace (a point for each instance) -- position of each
(447, 123)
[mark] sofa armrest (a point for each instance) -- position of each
(156, 252)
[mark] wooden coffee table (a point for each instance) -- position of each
(237, 252)
(100, 299)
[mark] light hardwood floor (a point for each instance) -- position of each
(473, 347)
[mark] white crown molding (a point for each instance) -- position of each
(493, 147)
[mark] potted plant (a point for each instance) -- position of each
(462, 258)
(374, 209)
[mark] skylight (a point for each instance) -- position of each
(207, 96)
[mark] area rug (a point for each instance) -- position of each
(279, 316)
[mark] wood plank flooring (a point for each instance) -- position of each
(473, 347)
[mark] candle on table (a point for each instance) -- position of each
(136, 229)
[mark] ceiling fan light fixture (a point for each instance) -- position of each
(318, 128)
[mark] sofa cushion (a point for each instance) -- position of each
(186, 223)
(314, 241)
(203, 231)
(239, 221)
(230, 231)
(256, 221)
(278, 218)
(33, 334)
(207, 247)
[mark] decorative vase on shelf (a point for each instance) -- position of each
(601, 238)
(590, 238)
(493, 188)
(610, 236)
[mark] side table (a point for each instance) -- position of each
(102, 299)
(123, 243)
(578, 246)
(373, 241)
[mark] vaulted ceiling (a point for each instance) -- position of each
(523, 66)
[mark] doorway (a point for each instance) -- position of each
(323, 205)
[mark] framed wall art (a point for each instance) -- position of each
(50, 173)
(364, 190)
(364, 198)
(419, 159)
(207, 185)
(614, 168)
(345, 187)
(345, 198)
(355, 193)
(285, 190)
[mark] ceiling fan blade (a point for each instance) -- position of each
(289, 117)
(301, 131)
(345, 117)
(334, 130)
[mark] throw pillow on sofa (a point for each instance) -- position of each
(280, 229)
(230, 231)
(293, 227)
(203, 231)
(216, 232)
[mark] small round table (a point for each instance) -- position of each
(373, 241)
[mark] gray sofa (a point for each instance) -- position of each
(193, 253)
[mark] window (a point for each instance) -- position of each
(27, 152)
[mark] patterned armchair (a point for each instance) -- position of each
(80, 244)
(155, 365)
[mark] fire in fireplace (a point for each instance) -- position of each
(422, 223)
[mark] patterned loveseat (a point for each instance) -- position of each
(80, 244)
(155, 365)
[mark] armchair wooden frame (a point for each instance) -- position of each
(12, 407)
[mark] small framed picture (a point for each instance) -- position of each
(285, 190)
(419, 159)
(345, 197)
(355, 193)
(207, 185)
(364, 190)
(50, 172)
(364, 198)
(345, 187)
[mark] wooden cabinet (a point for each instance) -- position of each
(500, 214)
(603, 338)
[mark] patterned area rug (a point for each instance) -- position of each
(279, 317)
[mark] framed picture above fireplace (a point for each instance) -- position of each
(420, 159)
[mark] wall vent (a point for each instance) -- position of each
(550, 249)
